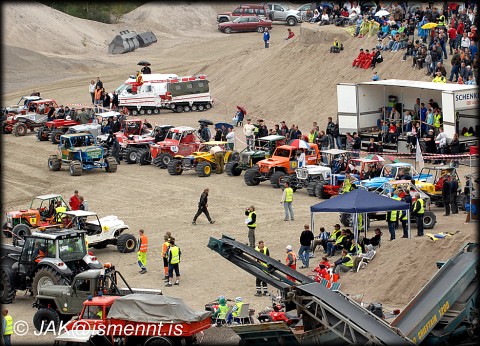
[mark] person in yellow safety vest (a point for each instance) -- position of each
(222, 309)
(173, 256)
(404, 221)
(7, 326)
(311, 136)
(347, 182)
(259, 283)
(287, 200)
(336, 47)
(439, 78)
(236, 309)
(165, 247)
(251, 222)
(418, 210)
(437, 122)
(142, 251)
(98, 313)
(441, 19)
(344, 263)
(59, 211)
(391, 221)
(337, 244)
(354, 248)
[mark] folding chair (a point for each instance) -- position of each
(243, 314)
(324, 282)
(365, 260)
(222, 318)
(335, 286)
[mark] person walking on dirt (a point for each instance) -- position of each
(259, 283)
(142, 251)
(173, 258)
(165, 247)
(74, 201)
(287, 200)
(251, 222)
(291, 260)
(266, 38)
(202, 207)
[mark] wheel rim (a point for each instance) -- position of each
(186, 109)
(208, 106)
(149, 111)
(228, 30)
(134, 112)
(50, 164)
(57, 137)
(200, 108)
(21, 130)
(133, 156)
(427, 220)
(260, 29)
(142, 111)
(178, 168)
(194, 108)
(45, 281)
(130, 244)
(71, 169)
(166, 160)
(207, 169)
(155, 111)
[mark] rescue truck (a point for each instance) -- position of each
(148, 93)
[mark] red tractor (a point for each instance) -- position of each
(181, 140)
(36, 116)
(52, 130)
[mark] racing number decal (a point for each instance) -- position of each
(174, 149)
(33, 220)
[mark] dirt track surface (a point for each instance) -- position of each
(294, 81)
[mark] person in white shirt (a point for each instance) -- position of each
(230, 138)
(441, 141)
(249, 131)
(301, 158)
(465, 41)
(217, 151)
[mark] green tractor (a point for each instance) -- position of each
(80, 152)
(263, 149)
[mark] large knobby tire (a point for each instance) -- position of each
(252, 176)
(320, 191)
(232, 169)
(42, 135)
(346, 219)
(159, 341)
(311, 188)
(43, 319)
(275, 179)
(111, 164)
(203, 169)
(126, 243)
(21, 230)
(144, 157)
(429, 220)
(75, 168)
(163, 159)
(175, 167)
(5, 129)
(130, 155)
(234, 156)
(46, 276)
(54, 163)
(7, 290)
(55, 136)
(19, 129)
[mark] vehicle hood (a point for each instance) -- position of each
(225, 14)
(110, 221)
(168, 143)
(273, 161)
(17, 213)
(377, 181)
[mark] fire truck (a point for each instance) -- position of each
(149, 93)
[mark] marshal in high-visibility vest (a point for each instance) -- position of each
(8, 325)
(288, 194)
(174, 255)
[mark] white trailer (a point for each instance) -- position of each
(360, 106)
(168, 91)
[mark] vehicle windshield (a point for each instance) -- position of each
(282, 152)
(123, 87)
(174, 135)
(71, 249)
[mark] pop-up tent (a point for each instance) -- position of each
(359, 202)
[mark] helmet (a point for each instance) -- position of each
(239, 299)
(289, 247)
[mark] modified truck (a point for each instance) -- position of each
(136, 319)
(283, 162)
(34, 117)
(51, 257)
(165, 91)
(57, 303)
(459, 103)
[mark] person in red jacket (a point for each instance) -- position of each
(452, 38)
(368, 60)
(359, 58)
(74, 201)
(291, 34)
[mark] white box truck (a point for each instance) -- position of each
(360, 106)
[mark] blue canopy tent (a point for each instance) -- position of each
(359, 202)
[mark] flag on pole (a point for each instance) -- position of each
(419, 156)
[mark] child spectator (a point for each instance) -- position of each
(291, 34)
(375, 77)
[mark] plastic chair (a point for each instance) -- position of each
(335, 286)
(324, 282)
(243, 314)
(222, 318)
(365, 260)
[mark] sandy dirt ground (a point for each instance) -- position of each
(295, 81)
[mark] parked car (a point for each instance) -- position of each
(280, 12)
(241, 24)
(244, 10)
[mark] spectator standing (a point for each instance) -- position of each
(106, 101)
(142, 251)
(251, 222)
(464, 42)
(356, 145)
(230, 137)
(452, 38)
(91, 89)
(173, 257)
(203, 208)
(306, 238)
(329, 131)
(115, 101)
(248, 131)
(453, 195)
(446, 194)
(98, 99)
(7, 327)
(74, 201)
(266, 38)
(99, 84)
(259, 283)
(83, 117)
(165, 247)
(392, 221)
(287, 200)
(83, 204)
